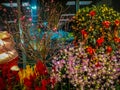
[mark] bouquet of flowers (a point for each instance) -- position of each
(82, 71)
(98, 26)
(36, 77)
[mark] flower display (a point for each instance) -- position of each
(97, 72)
(97, 26)
(32, 77)
(35, 77)
(9, 80)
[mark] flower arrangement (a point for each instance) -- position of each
(98, 26)
(36, 77)
(99, 72)
(31, 78)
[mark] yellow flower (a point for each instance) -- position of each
(28, 71)
(25, 73)
(20, 76)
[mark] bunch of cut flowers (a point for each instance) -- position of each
(35, 78)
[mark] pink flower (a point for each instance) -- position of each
(30, 19)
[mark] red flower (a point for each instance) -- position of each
(117, 39)
(44, 82)
(84, 33)
(117, 22)
(100, 41)
(2, 84)
(106, 24)
(90, 50)
(75, 43)
(27, 82)
(92, 13)
(42, 88)
(41, 68)
(109, 49)
(33, 77)
(97, 64)
(38, 88)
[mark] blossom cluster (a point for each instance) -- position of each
(97, 72)
(98, 27)
(30, 78)
(35, 77)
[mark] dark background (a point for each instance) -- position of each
(115, 3)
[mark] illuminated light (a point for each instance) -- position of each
(15, 4)
(55, 29)
(34, 7)
(30, 19)
(28, 8)
(80, 3)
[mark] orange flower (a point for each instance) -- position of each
(117, 39)
(117, 22)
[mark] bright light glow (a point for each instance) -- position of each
(1, 43)
(14, 4)
(28, 8)
(34, 7)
